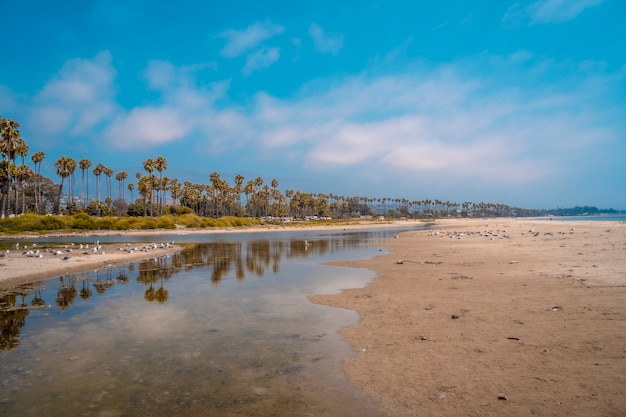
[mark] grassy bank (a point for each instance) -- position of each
(33, 223)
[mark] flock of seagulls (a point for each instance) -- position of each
(32, 251)
(491, 234)
(148, 248)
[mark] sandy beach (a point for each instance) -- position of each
(493, 318)
(486, 317)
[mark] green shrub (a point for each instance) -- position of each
(165, 223)
(147, 223)
(190, 220)
(125, 223)
(105, 223)
(81, 221)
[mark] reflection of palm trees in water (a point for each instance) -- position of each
(161, 294)
(148, 295)
(38, 300)
(223, 258)
(101, 285)
(66, 293)
(255, 257)
(85, 292)
(151, 271)
(121, 275)
(12, 319)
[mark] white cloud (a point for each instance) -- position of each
(328, 44)
(548, 11)
(485, 119)
(441, 121)
(147, 127)
(78, 98)
(238, 42)
(160, 74)
(261, 58)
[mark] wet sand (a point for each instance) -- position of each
(493, 318)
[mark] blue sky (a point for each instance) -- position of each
(515, 102)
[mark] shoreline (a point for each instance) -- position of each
(17, 269)
(492, 317)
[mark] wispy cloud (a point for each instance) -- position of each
(548, 11)
(487, 119)
(325, 43)
(147, 127)
(76, 99)
(239, 42)
(441, 121)
(261, 58)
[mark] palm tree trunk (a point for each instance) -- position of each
(58, 208)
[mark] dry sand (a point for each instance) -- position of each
(493, 318)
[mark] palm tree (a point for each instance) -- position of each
(84, 164)
(143, 185)
(71, 167)
(63, 170)
(98, 169)
(9, 142)
(238, 188)
(21, 150)
(131, 187)
(121, 176)
(175, 191)
(37, 159)
(22, 174)
(108, 172)
(160, 164)
(148, 166)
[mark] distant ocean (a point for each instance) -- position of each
(616, 218)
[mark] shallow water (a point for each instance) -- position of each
(222, 328)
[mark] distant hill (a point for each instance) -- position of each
(582, 211)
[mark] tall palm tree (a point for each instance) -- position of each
(63, 170)
(71, 167)
(22, 174)
(21, 150)
(37, 159)
(175, 191)
(148, 166)
(144, 187)
(9, 142)
(160, 164)
(131, 187)
(108, 172)
(121, 176)
(238, 188)
(84, 164)
(98, 169)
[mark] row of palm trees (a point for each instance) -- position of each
(25, 189)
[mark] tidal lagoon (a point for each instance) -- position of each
(223, 327)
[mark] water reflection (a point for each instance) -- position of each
(220, 328)
(222, 260)
(12, 319)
